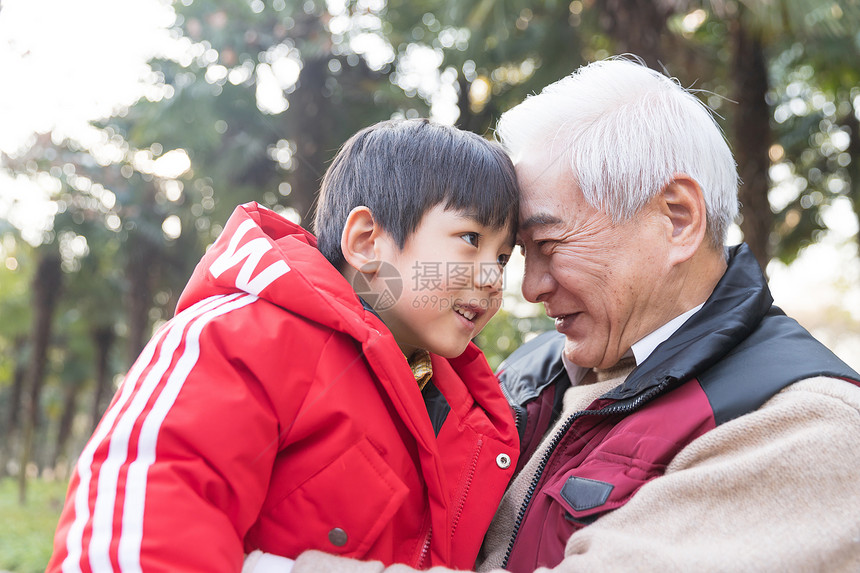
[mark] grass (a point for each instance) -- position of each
(27, 531)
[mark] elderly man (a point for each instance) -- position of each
(677, 421)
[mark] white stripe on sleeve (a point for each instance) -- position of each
(74, 539)
(135, 498)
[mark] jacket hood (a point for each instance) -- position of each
(263, 254)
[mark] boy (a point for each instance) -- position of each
(277, 411)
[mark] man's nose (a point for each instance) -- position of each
(538, 282)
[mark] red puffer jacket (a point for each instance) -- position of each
(273, 412)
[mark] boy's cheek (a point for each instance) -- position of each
(490, 307)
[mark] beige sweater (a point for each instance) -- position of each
(775, 490)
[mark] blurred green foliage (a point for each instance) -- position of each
(27, 532)
(506, 332)
(261, 96)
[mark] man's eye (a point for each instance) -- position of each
(503, 259)
(471, 238)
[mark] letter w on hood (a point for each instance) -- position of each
(251, 253)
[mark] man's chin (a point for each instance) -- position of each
(575, 353)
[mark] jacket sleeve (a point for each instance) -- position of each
(774, 490)
(769, 491)
(178, 468)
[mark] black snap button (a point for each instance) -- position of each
(337, 536)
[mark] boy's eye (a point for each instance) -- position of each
(503, 259)
(471, 238)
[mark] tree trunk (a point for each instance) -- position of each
(312, 126)
(144, 250)
(64, 428)
(46, 289)
(466, 117)
(469, 120)
(12, 426)
(854, 167)
(139, 296)
(13, 419)
(752, 138)
(636, 27)
(103, 338)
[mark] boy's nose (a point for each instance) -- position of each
(490, 276)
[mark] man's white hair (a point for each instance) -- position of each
(626, 131)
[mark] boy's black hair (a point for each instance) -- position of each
(400, 169)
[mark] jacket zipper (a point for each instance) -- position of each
(467, 486)
(514, 407)
(425, 549)
(630, 406)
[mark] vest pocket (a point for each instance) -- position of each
(341, 509)
(585, 493)
(581, 500)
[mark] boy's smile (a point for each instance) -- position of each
(451, 267)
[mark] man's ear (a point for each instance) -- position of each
(683, 204)
(361, 239)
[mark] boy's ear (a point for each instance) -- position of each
(683, 203)
(360, 241)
